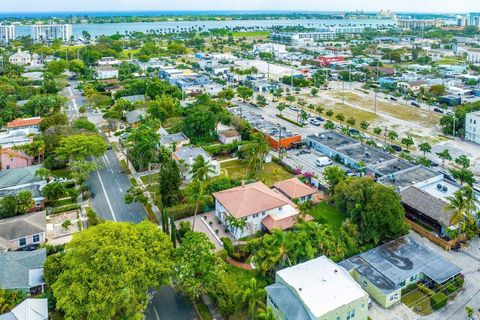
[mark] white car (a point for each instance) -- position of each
(323, 161)
(315, 122)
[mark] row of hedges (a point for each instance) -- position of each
(290, 120)
(70, 207)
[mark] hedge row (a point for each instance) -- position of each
(70, 207)
(290, 120)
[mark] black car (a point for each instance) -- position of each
(438, 110)
(396, 148)
(320, 119)
(415, 104)
(393, 98)
(354, 131)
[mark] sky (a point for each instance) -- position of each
(287, 5)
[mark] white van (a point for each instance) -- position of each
(323, 161)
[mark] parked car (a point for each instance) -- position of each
(396, 148)
(320, 119)
(315, 122)
(393, 99)
(438, 110)
(323, 161)
(415, 104)
(293, 108)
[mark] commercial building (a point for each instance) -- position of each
(7, 33)
(51, 32)
(474, 19)
(316, 289)
(472, 127)
(473, 55)
(384, 271)
(325, 61)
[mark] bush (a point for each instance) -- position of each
(290, 120)
(222, 254)
(451, 287)
(438, 300)
(65, 208)
(425, 290)
(459, 281)
(217, 149)
(228, 246)
(183, 210)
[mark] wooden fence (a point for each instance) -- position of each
(446, 245)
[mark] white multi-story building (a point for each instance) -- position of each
(472, 127)
(50, 32)
(7, 33)
(473, 55)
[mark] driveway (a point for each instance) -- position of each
(167, 304)
(110, 187)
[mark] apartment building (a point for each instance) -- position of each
(50, 32)
(472, 127)
(7, 33)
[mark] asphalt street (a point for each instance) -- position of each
(169, 304)
(110, 185)
(75, 99)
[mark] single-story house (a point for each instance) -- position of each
(188, 155)
(384, 271)
(13, 159)
(178, 139)
(135, 117)
(229, 136)
(23, 270)
(29, 309)
(263, 209)
(295, 189)
(23, 231)
(412, 85)
(316, 289)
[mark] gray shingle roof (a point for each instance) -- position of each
(426, 204)
(134, 116)
(15, 267)
(19, 176)
(21, 226)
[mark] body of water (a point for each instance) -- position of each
(122, 28)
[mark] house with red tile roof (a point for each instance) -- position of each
(295, 189)
(24, 123)
(263, 209)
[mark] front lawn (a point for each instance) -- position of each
(325, 213)
(418, 301)
(271, 173)
(62, 173)
(153, 178)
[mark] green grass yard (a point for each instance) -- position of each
(325, 213)
(418, 301)
(62, 173)
(271, 173)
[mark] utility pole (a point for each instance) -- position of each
(375, 104)
(454, 126)
(279, 141)
(291, 79)
(343, 92)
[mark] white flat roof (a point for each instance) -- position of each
(322, 285)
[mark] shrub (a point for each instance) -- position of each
(181, 211)
(217, 149)
(222, 254)
(459, 281)
(425, 290)
(438, 300)
(451, 287)
(228, 245)
(65, 208)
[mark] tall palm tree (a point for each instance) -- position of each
(255, 151)
(463, 204)
(237, 224)
(196, 194)
(252, 296)
(201, 169)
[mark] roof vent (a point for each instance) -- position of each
(299, 289)
(336, 271)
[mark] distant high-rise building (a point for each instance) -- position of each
(7, 33)
(420, 23)
(462, 21)
(50, 32)
(474, 19)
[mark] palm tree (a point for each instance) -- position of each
(201, 169)
(252, 296)
(266, 314)
(237, 224)
(195, 194)
(462, 203)
(274, 251)
(255, 151)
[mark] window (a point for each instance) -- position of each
(402, 284)
(394, 297)
(363, 306)
(413, 278)
(264, 213)
(351, 314)
(36, 238)
(22, 242)
(365, 284)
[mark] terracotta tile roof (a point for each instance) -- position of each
(24, 122)
(294, 188)
(273, 222)
(252, 198)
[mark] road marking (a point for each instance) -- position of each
(70, 91)
(121, 191)
(106, 197)
(156, 313)
(105, 159)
